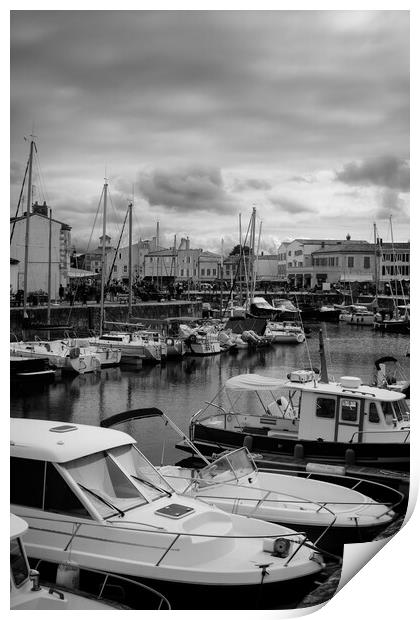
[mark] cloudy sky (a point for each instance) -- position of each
(203, 115)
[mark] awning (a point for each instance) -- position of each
(261, 303)
(357, 278)
(80, 273)
(255, 383)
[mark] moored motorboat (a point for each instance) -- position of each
(357, 315)
(284, 332)
(332, 511)
(132, 351)
(309, 417)
(89, 493)
(60, 354)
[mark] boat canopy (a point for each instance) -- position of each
(262, 303)
(254, 383)
(18, 526)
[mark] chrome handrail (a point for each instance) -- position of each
(392, 430)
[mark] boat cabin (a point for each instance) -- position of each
(304, 408)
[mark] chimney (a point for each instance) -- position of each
(348, 237)
(40, 209)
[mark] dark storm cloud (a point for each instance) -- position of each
(192, 189)
(241, 185)
(386, 171)
(391, 204)
(289, 205)
(282, 92)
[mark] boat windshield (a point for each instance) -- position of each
(152, 484)
(228, 468)
(108, 487)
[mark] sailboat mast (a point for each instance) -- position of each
(240, 260)
(101, 323)
(28, 213)
(130, 269)
(252, 264)
(49, 269)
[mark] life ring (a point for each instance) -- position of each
(170, 342)
(193, 338)
(229, 417)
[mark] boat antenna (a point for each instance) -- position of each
(324, 372)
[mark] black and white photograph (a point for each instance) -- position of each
(209, 305)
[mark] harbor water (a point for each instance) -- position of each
(180, 388)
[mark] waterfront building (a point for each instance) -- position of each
(209, 266)
(92, 260)
(14, 270)
(346, 262)
(38, 250)
(299, 263)
(139, 251)
(394, 267)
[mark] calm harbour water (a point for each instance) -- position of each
(179, 388)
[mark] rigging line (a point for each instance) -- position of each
(41, 179)
(116, 250)
(19, 201)
(88, 245)
(238, 268)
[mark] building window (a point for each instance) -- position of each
(208, 272)
(203, 272)
(366, 262)
(114, 268)
(325, 407)
(214, 272)
(350, 262)
(119, 255)
(182, 272)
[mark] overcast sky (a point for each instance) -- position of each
(304, 115)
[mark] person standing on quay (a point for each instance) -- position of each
(61, 292)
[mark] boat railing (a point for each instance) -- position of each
(379, 493)
(298, 537)
(222, 413)
(112, 581)
(359, 434)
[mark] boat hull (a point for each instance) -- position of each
(278, 595)
(390, 455)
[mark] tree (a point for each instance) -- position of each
(237, 249)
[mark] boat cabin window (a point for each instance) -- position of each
(106, 486)
(18, 564)
(325, 407)
(27, 482)
(59, 497)
(373, 413)
(390, 415)
(349, 410)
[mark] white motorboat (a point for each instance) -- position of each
(348, 510)
(357, 315)
(26, 591)
(107, 356)
(60, 354)
(331, 513)
(284, 332)
(154, 343)
(132, 351)
(200, 341)
(88, 493)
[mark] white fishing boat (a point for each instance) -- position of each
(284, 332)
(88, 493)
(154, 344)
(60, 355)
(333, 511)
(309, 417)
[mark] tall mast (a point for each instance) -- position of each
(252, 265)
(49, 270)
(130, 272)
(101, 323)
(375, 242)
(28, 213)
(240, 260)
